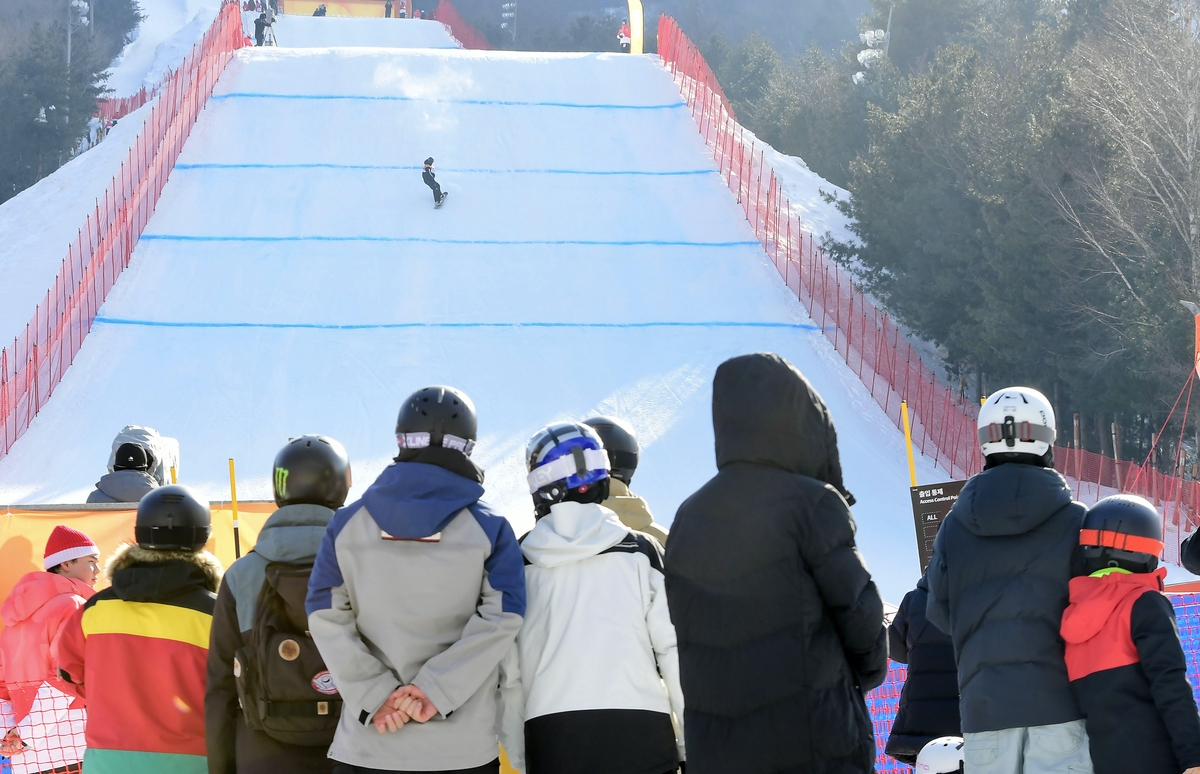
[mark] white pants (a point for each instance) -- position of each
(1058, 749)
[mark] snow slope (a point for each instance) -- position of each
(589, 259)
(40, 223)
(165, 36)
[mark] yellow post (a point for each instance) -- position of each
(173, 480)
(637, 27)
(912, 465)
(237, 543)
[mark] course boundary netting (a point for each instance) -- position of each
(943, 422)
(462, 31)
(34, 365)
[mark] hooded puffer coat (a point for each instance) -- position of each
(779, 625)
(122, 486)
(998, 584)
(48, 719)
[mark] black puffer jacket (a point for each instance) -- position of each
(998, 583)
(779, 625)
(929, 701)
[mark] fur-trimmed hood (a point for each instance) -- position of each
(132, 556)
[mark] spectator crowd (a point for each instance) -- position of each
(411, 631)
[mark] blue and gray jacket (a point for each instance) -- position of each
(417, 583)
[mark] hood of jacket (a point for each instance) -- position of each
(571, 532)
(414, 500)
(1093, 600)
(293, 533)
(126, 486)
(765, 412)
(1010, 499)
(144, 575)
(34, 590)
(630, 509)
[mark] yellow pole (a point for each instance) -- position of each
(912, 465)
(237, 543)
(173, 480)
(637, 27)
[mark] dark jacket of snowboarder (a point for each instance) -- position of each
(122, 486)
(929, 701)
(430, 178)
(292, 534)
(998, 583)
(779, 625)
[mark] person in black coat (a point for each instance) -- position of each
(929, 700)
(780, 628)
(998, 584)
(430, 178)
(260, 29)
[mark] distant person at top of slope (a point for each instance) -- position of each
(416, 597)
(260, 29)
(130, 479)
(779, 624)
(623, 36)
(403, 13)
(430, 179)
(623, 451)
(999, 582)
(387, 9)
(320, 10)
(260, 606)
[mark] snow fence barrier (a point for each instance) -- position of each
(33, 366)
(943, 422)
(466, 35)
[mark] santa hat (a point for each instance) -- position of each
(66, 544)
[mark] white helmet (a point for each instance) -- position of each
(941, 756)
(1016, 420)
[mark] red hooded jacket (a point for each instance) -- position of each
(1129, 675)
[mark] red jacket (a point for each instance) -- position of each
(1129, 675)
(34, 614)
(624, 31)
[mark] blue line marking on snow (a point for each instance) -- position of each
(415, 167)
(430, 240)
(393, 98)
(402, 326)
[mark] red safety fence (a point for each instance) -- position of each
(943, 423)
(35, 363)
(466, 35)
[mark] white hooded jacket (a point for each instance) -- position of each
(596, 650)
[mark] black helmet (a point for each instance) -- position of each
(312, 470)
(1122, 531)
(429, 161)
(620, 443)
(437, 416)
(173, 518)
(132, 456)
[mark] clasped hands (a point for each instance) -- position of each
(406, 703)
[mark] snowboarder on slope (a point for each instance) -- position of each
(431, 180)
(623, 36)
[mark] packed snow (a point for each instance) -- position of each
(589, 260)
(165, 36)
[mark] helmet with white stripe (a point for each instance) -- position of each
(566, 460)
(1016, 420)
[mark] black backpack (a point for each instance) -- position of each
(283, 687)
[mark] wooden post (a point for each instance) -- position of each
(237, 543)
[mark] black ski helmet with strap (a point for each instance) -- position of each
(313, 470)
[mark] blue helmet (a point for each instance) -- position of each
(563, 458)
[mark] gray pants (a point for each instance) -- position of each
(1058, 749)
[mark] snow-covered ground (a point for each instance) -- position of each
(39, 224)
(293, 31)
(163, 39)
(589, 259)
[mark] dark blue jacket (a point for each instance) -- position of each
(929, 701)
(998, 583)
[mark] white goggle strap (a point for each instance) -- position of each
(567, 466)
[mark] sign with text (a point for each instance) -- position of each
(931, 504)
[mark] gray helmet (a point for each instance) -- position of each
(173, 518)
(437, 416)
(620, 443)
(312, 470)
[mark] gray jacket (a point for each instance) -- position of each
(122, 486)
(417, 583)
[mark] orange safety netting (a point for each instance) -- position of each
(34, 365)
(466, 35)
